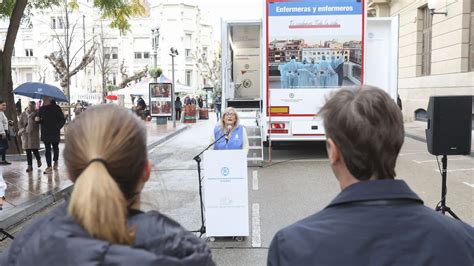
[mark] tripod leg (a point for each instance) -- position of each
(7, 235)
(447, 209)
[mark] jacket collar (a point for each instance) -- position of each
(383, 189)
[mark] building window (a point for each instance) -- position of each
(188, 77)
(426, 42)
(53, 23)
(111, 52)
(61, 24)
(114, 52)
(146, 55)
(187, 52)
(57, 23)
(29, 77)
(188, 40)
(29, 52)
(114, 79)
(138, 55)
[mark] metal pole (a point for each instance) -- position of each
(444, 162)
(84, 33)
(155, 55)
(173, 111)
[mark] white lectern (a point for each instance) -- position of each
(226, 193)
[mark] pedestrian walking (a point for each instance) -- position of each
(200, 102)
(4, 134)
(78, 108)
(28, 129)
(187, 100)
(178, 105)
(141, 108)
(3, 189)
(51, 119)
(375, 219)
(217, 107)
(101, 222)
(18, 107)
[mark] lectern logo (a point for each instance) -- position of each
(225, 171)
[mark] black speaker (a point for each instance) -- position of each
(449, 125)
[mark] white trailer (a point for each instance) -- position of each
(290, 114)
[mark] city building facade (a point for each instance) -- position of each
(436, 51)
(171, 24)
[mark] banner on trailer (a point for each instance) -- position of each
(160, 99)
(315, 44)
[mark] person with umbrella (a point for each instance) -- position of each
(51, 118)
(29, 132)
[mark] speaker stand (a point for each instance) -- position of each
(442, 204)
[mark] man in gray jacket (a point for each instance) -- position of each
(375, 220)
(3, 133)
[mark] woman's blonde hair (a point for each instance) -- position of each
(32, 104)
(105, 154)
(230, 110)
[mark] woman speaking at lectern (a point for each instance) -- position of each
(229, 133)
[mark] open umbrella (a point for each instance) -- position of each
(111, 97)
(38, 90)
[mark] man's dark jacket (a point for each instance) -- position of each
(52, 120)
(380, 222)
(56, 239)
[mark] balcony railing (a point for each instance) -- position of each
(24, 61)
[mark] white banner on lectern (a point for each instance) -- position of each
(226, 193)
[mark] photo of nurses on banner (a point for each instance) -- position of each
(315, 44)
(160, 99)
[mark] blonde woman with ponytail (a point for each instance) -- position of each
(100, 223)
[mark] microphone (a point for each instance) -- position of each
(227, 133)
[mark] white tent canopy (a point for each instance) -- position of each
(142, 89)
(183, 88)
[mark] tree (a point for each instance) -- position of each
(118, 11)
(63, 59)
(103, 61)
(210, 70)
(155, 73)
(127, 79)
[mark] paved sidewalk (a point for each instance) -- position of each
(30, 192)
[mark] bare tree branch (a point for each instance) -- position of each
(136, 76)
(86, 59)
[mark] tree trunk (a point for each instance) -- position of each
(6, 82)
(104, 88)
(6, 94)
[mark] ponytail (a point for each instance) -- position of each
(99, 206)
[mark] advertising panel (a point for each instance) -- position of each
(160, 99)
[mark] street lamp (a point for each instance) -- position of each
(173, 53)
(155, 33)
(432, 4)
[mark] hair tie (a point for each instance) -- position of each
(104, 162)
